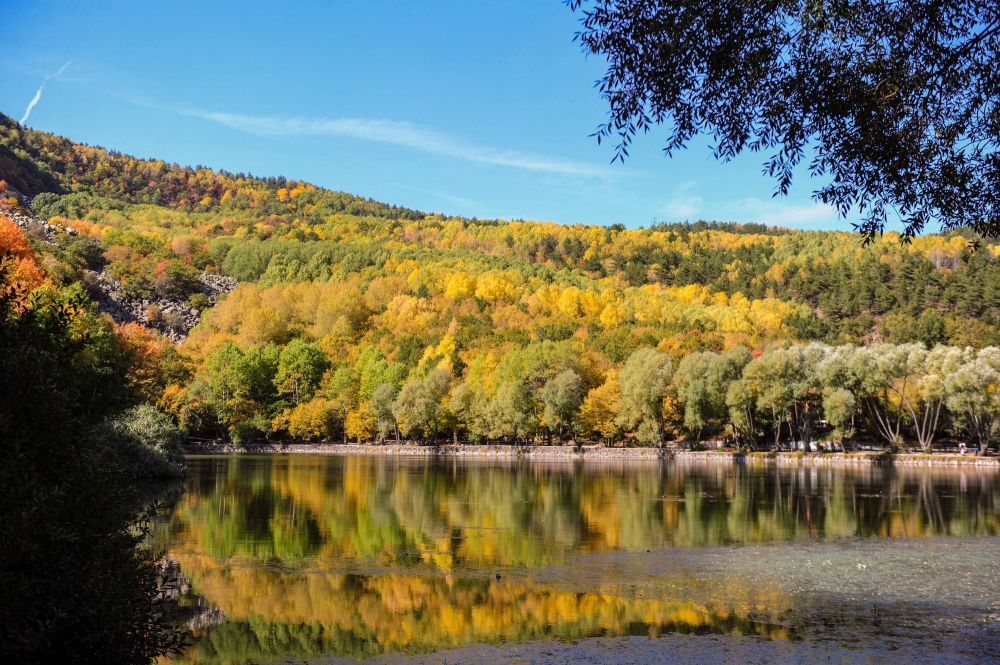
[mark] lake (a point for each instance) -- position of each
(408, 560)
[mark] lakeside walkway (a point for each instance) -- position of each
(572, 453)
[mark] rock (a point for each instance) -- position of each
(112, 298)
(28, 222)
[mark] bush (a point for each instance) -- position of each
(177, 281)
(245, 431)
(198, 301)
(145, 441)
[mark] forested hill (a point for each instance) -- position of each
(342, 297)
(814, 285)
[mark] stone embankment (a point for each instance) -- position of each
(571, 453)
(173, 318)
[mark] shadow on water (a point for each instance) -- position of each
(354, 556)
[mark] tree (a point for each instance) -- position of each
(506, 415)
(973, 394)
(600, 409)
(702, 379)
(643, 383)
(300, 370)
(373, 369)
(460, 406)
(868, 374)
(342, 395)
(380, 407)
(742, 407)
(176, 280)
(436, 384)
(77, 586)
(898, 101)
(419, 406)
(242, 384)
(561, 395)
(840, 407)
(770, 379)
(925, 401)
(145, 441)
(308, 420)
(412, 408)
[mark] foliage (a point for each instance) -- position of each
(145, 442)
(383, 399)
(898, 100)
(300, 368)
(338, 300)
(562, 397)
(644, 381)
(76, 586)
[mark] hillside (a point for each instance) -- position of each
(340, 288)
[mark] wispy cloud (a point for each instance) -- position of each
(773, 213)
(468, 203)
(400, 133)
(684, 205)
(38, 93)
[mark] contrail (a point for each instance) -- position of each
(38, 95)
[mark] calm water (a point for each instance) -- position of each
(299, 557)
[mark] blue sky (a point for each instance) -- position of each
(470, 108)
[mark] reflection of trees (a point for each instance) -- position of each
(273, 614)
(445, 514)
(452, 515)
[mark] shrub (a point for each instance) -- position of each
(145, 441)
(198, 301)
(245, 431)
(177, 281)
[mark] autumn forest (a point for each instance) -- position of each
(359, 321)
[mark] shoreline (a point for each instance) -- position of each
(571, 453)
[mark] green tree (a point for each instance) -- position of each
(839, 408)
(419, 407)
(973, 395)
(691, 381)
(643, 382)
(769, 379)
(242, 384)
(373, 369)
(380, 406)
(343, 394)
(460, 406)
(926, 401)
(146, 442)
(507, 415)
(300, 369)
(562, 396)
(702, 380)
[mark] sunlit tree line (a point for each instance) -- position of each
(548, 392)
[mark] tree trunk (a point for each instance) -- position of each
(777, 431)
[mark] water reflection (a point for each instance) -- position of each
(299, 556)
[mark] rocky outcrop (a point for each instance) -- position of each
(172, 318)
(27, 221)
